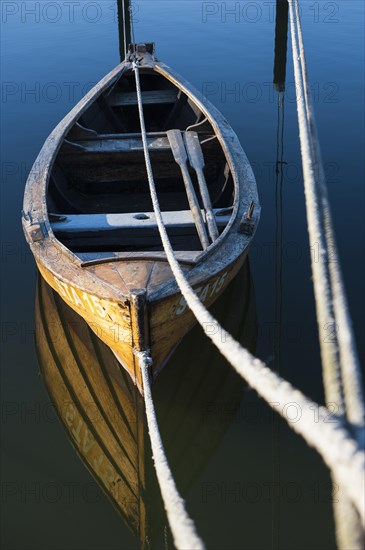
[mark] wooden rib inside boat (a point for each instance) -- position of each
(89, 220)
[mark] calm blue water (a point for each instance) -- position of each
(261, 488)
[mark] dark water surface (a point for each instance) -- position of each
(260, 487)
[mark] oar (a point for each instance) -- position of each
(196, 160)
(180, 156)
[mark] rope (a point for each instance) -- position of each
(342, 378)
(322, 290)
(182, 527)
(197, 124)
(331, 440)
(349, 362)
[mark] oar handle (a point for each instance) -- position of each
(209, 214)
(194, 206)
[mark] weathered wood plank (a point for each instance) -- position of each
(90, 259)
(129, 241)
(120, 145)
(154, 97)
(79, 223)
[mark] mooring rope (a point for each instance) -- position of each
(182, 526)
(339, 451)
(341, 370)
(320, 259)
(351, 378)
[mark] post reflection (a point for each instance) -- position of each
(280, 59)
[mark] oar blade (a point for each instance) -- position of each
(194, 150)
(177, 146)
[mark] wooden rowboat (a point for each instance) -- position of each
(88, 214)
(103, 412)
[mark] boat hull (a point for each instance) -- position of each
(168, 320)
(130, 299)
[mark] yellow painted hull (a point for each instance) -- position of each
(169, 319)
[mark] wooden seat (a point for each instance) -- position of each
(123, 143)
(115, 145)
(154, 97)
(125, 232)
(101, 223)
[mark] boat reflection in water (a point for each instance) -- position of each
(103, 411)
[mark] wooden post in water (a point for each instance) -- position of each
(124, 26)
(281, 43)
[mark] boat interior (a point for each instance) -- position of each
(98, 194)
